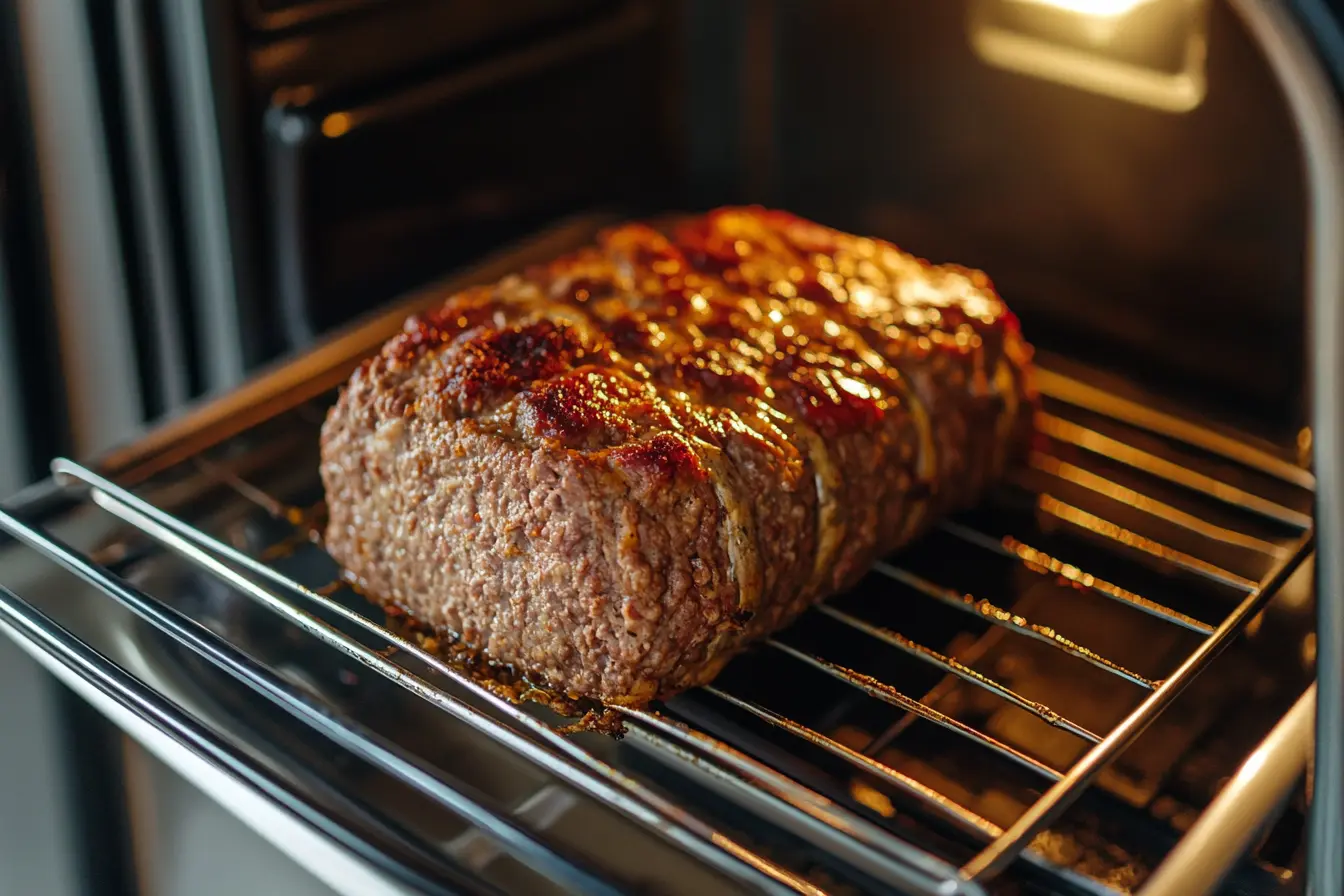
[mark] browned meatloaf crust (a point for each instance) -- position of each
(615, 471)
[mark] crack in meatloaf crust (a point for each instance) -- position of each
(615, 471)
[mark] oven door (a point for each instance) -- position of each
(87, 808)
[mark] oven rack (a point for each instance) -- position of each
(865, 844)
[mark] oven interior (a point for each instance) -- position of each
(367, 148)
(942, 696)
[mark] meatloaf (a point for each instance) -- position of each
(615, 471)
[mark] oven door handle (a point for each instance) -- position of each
(1242, 809)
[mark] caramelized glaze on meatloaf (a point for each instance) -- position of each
(615, 471)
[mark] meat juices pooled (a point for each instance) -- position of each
(615, 471)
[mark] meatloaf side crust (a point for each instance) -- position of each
(615, 471)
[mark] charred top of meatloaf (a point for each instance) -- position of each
(736, 320)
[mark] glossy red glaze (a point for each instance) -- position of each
(572, 407)
(497, 364)
(830, 401)
(663, 457)
(736, 307)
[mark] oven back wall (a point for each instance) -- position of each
(1167, 246)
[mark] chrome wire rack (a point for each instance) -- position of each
(1122, 513)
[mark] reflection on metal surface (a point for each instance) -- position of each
(874, 799)
(746, 776)
(1222, 834)
(926, 795)
(1089, 440)
(886, 693)
(1039, 561)
(335, 125)
(1077, 475)
(1106, 529)
(962, 671)
(1085, 395)
(995, 615)
(763, 865)
(999, 854)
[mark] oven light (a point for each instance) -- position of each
(1149, 52)
(1107, 9)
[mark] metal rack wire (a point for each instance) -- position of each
(751, 777)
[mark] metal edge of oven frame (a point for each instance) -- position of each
(1203, 856)
(1314, 103)
(1200, 859)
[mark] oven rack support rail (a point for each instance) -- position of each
(869, 848)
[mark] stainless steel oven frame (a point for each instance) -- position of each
(1196, 864)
